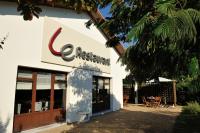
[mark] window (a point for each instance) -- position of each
(39, 90)
(100, 94)
(43, 91)
(23, 97)
(59, 90)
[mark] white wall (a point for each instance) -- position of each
(23, 48)
(80, 92)
(118, 74)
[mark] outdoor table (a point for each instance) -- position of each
(151, 100)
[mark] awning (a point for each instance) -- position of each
(160, 79)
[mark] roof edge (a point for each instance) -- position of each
(98, 18)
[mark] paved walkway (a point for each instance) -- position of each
(131, 119)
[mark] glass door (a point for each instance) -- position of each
(100, 94)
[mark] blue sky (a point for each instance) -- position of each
(105, 11)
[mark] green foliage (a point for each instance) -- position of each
(138, 28)
(193, 67)
(192, 84)
(166, 34)
(192, 108)
(188, 89)
(192, 80)
(78, 5)
(168, 22)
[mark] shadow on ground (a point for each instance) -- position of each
(186, 123)
(126, 121)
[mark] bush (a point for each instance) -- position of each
(191, 108)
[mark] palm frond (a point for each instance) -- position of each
(186, 25)
(137, 30)
(166, 7)
(166, 29)
(194, 14)
(180, 26)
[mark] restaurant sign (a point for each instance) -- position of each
(67, 50)
(66, 45)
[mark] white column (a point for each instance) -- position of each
(136, 92)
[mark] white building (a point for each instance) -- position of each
(55, 69)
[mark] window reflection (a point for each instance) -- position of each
(23, 97)
(59, 91)
(100, 94)
(43, 92)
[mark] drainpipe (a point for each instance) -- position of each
(136, 92)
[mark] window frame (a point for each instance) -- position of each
(97, 94)
(33, 79)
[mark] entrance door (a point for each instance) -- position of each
(100, 94)
(39, 99)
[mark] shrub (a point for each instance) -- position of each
(192, 108)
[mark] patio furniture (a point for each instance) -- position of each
(126, 98)
(157, 101)
(151, 100)
(145, 102)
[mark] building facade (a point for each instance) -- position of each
(54, 69)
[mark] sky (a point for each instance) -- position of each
(105, 11)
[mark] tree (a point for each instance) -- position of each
(166, 34)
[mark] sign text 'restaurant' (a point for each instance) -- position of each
(67, 50)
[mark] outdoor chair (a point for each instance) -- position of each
(145, 102)
(126, 98)
(157, 101)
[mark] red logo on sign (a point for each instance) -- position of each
(53, 51)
